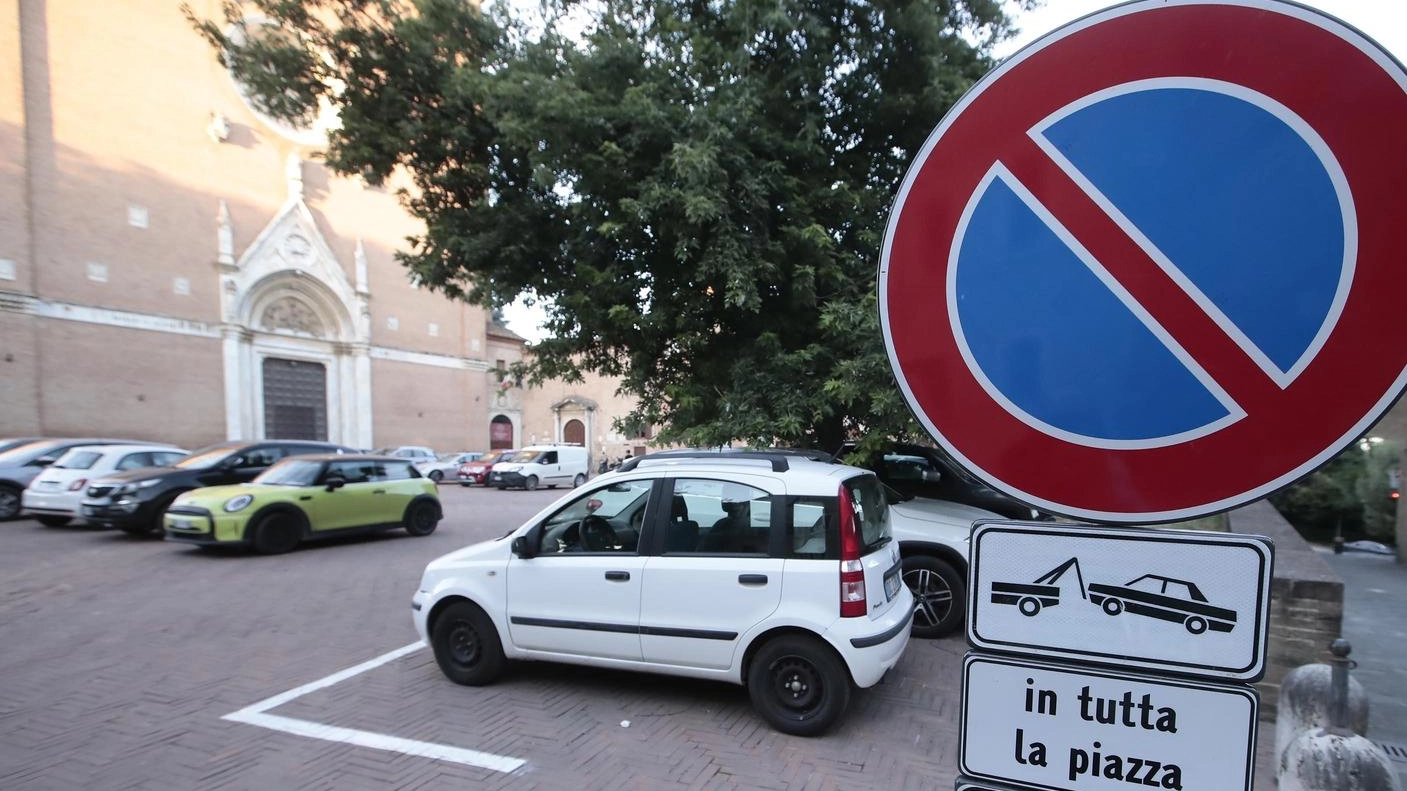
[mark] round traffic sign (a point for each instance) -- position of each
(1147, 268)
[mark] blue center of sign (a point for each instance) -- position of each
(1225, 190)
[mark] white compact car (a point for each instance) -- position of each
(446, 466)
(53, 496)
(772, 571)
(933, 538)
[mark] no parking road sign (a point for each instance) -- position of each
(1149, 267)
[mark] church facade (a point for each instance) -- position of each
(175, 266)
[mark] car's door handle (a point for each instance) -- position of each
(618, 576)
(752, 579)
(306, 497)
(379, 491)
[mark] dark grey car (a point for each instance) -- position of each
(22, 463)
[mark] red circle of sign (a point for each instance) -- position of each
(1341, 84)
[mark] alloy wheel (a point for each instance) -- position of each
(933, 599)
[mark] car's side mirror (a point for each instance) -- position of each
(525, 546)
(335, 482)
(543, 461)
(42, 462)
(932, 476)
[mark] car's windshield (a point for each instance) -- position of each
(493, 456)
(291, 472)
(206, 457)
(525, 456)
(24, 454)
(78, 460)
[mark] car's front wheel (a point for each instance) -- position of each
(798, 685)
(54, 521)
(422, 518)
(9, 502)
(277, 533)
(466, 645)
(939, 595)
(531, 483)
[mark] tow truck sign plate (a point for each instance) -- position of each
(1178, 601)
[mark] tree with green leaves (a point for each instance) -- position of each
(696, 192)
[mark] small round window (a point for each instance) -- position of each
(311, 134)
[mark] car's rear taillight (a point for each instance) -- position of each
(78, 484)
(852, 571)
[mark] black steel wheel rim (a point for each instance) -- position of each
(933, 599)
(797, 685)
(464, 646)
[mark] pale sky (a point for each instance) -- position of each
(1385, 21)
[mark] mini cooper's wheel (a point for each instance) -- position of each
(466, 645)
(421, 518)
(277, 533)
(54, 521)
(436, 476)
(578, 480)
(939, 595)
(798, 685)
(9, 502)
(531, 483)
(1113, 606)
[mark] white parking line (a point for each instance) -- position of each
(256, 715)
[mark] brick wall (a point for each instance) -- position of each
(1306, 600)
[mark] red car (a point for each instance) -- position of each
(472, 472)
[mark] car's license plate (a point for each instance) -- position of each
(89, 510)
(892, 581)
(181, 524)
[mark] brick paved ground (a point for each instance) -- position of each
(118, 657)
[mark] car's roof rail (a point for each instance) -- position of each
(777, 458)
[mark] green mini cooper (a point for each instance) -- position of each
(304, 498)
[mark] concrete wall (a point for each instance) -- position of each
(1306, 600)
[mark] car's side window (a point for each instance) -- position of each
(395, 471)
(550, 457)
(263, 456)
(352, 471)
(134, 461)
(718, 518)
(814, 527)
(607, 519)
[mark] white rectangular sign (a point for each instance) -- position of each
(1181, 601)
(1069, 729)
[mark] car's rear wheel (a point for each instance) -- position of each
(798, 685)
(421, 518)
(9, 502)
(466, 645)
(436, 476)
(531, 483)
(939, 595)
(277, 533)
(1196, 625)
(54, 521)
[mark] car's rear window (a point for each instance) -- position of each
(871, 511)
(78, 460)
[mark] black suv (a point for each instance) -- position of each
(134, 501)
(921, 471)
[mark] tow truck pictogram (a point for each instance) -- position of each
(1029, 598)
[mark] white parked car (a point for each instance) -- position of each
(542, 465)
(771, 571)
(933, 539)
(53, 496)
(446, 466)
